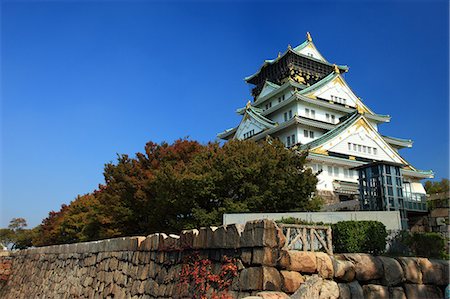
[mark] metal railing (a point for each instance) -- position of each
(308, 237)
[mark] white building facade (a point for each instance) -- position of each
(303, 100)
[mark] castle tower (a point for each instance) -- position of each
(303, 100)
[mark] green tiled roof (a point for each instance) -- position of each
(320, 83)
(333, 133)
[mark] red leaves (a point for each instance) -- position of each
(197, 275)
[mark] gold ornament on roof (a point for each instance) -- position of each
(360, 109)
(336, 69)
(289, 46)
(249, 104)
(308, 37)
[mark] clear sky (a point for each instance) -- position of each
(82, 81)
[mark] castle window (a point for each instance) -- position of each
(313, 114)
(285, 116)
(332, 118)
(293, 138)
(305, 133)
(336, 171)
(311, 134)
(327, 117)
(288, 141)
(290, 114)
(307, 112)
(346, 173)
(249, 134)
(268, 105)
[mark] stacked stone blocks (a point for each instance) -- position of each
(150, 267)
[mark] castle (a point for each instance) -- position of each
(304, 101)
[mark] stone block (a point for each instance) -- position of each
(356, 290)
(411, 269)
(324, 265)
(246, 256)
(145, 244)
(392, 271)
(344, 291)
(265, 256)
(439, 212)
(152, 242)
(262, 232)
(432, 272)
(210, 232)
(271, 295)
(169, 242)
(397, 293)
(367, 267)
(310, 289)
(374, 291)
(219, 237)
(271, 279)
(251, 279)
(446, 269)
(187, 238)
(343, 270)
(329, 290)
(301, 261)
(233, 235)
(200, 241)
(420, 291)
(291, 281)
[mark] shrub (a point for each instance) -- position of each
(430, 245)
(359, 236)
(293, 220)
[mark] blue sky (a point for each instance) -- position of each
(83, 81)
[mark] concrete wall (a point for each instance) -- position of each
(389, 218)
(151, 267)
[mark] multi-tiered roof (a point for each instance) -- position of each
(303, 75)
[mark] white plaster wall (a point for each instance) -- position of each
(334, 88)
(266, 90)
(360, 137)
(305, 140)
(326, 178)
(278, 116)
(247, 126)
(309, 50)
(320, 112)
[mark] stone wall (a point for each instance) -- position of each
(5, 267)
(437, 218)
(153, 267)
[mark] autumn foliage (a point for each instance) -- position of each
(183, 185)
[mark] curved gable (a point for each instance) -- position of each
(336, 90)
(362, 140)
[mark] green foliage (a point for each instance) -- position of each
(359, 236)
(437, 187)
(431, 245)
(293, 220)
(6, 237)
(184, 185)
(16, 236)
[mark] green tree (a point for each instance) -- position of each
(16, 236)
(183, 185)
(17, 224)
(6, 237)
(433, 187)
